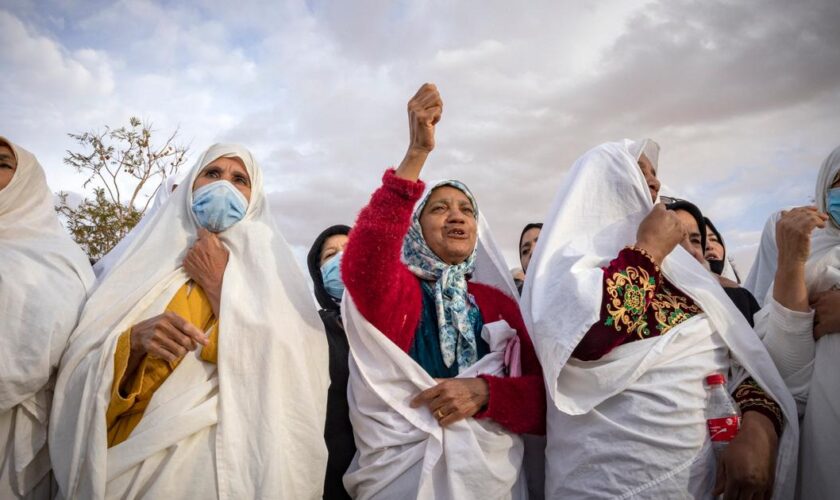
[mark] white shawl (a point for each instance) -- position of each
(596, 212)
(403, 452)
(104, 265)
(250, 427)
(44, 278)
(816, 383)
(763, 270)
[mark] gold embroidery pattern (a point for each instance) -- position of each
(630, 291)
(670, 310)
(750, 395)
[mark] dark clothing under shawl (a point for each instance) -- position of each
(338, 432)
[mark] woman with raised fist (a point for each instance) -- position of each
(443, 375)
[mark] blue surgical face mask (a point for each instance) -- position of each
(330, 272)
(833, 204)
(218, 206)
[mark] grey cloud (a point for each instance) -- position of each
(733, 91)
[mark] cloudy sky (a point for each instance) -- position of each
(743, 96)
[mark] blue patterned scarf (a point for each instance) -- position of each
(453, 303)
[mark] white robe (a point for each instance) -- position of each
(810, 368)
(44, 279)
(255, 420)
(104, 265)
(403, 452)
(644, 399)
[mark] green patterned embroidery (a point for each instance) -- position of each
(629, 291)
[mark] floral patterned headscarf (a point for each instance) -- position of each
(455, 307)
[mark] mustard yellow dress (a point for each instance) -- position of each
(126, 407)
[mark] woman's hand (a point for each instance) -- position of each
(659, 232)
(424, 112)
(793, 233)
(454, 399)
(166, 336)
(747, 467)
(205, 264)
(793, 239)
(826, 307)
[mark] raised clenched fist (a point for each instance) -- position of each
(793, 233)
(424, 111)
(659, 232)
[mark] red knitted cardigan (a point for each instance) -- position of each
(390, 297)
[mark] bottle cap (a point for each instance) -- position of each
(715, 379)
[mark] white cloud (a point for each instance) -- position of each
(744, 105)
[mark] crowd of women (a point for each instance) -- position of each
(191, 361)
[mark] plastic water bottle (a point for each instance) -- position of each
(723, 418)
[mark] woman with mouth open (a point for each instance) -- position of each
(443, 375)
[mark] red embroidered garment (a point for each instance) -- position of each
(389, 296)
(638, 303)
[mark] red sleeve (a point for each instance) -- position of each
(383, 289)
(517, 403)
(630, 282)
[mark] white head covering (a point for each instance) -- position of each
(562, 296)
(821, 272)
(649, 148)
(104, 265)
(825, 179)
(763, 271)
(272, 356)
(44, 279)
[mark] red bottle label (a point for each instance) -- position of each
(723, 429)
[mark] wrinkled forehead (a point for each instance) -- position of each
(435, 192)
(239, 162)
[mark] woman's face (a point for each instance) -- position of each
(332, 246)
(8, 165)
(449, 225)
(226, 169)
(649, 172)
(714, 250)
(526, 250)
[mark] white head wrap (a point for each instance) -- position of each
(763, 271)
(563, 290)
(649, 148)
(272, 377)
